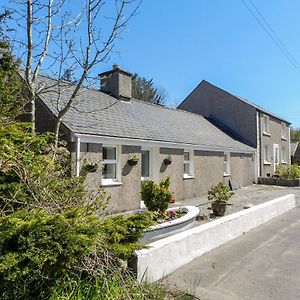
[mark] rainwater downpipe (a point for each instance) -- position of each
(77, 156)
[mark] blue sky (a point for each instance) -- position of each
(179, 43)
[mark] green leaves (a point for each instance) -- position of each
(156, 196)
(220, 193)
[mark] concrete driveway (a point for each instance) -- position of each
(262, 264)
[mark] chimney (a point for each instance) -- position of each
(116, 83)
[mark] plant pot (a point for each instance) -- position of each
(91, 168)
(167, 161)
(219, 208)
(132, 162)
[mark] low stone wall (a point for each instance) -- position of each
(279, 181)
(165, 256)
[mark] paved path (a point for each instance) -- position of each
(262, 264)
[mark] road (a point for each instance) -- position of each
(262, 264)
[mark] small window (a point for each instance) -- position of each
(266, 154)
(109, 165)
(187, 164)
(283, 131)
(226, 163)
(145, 162)
(266, 128)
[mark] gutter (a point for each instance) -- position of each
(87, 138)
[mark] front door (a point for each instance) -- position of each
(275, 156)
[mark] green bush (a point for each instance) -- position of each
(156, 196)
(38, 249)
(220, 193)
(123, 233)
(288, 172)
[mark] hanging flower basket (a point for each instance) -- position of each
(133, 160)
(168, 160)
(90, 167)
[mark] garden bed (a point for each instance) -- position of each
(172, 226)
(279, 181)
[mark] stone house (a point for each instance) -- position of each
(108, 128)
(267, 133)
(295, 153)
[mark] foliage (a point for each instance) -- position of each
(143, 89)
(38, 249)
(11, 103)
(220, 193)
(35, 174)
(288, 172)
(123, 234)
(114, 286)
(295, 134)
(156, 196)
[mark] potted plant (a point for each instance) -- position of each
(219, 195)
(168, 160)
(133, 160)
(90, 167)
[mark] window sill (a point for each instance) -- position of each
(188, 177)
(144, 178)
(110, 182)
(283, 162)
(266, 133)
(226, 174)
(267, 163)
(284, 138)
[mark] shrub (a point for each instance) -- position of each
(38, 249)
(123, 233)
(156, 196)
(288, 172)
(220, 193)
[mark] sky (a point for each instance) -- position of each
(179, 43)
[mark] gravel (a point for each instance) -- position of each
(254, 194)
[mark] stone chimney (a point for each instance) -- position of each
(116, 83)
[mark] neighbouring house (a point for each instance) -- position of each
(249, 123)
(295, 153)
(108, 128)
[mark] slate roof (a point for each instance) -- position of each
(97, 113)
(245, 101)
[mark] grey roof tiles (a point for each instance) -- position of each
(97, 113)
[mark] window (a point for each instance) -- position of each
(283, 131)
(266, 129)
(145, 164)
(187, 164)
(226, 163)
(109, 165)
(266, 154)
(283, 154)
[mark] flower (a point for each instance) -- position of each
(172, 212)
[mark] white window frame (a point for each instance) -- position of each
(266, 154)
(266, 125)
(150, 164)
(283, 155)
(283, 131)
(226, 168)
(190, 162)
(117, 180)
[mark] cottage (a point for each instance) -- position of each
(132, 140)
(246, 121)
(295, 153)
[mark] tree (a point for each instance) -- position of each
(11, 102)
(295, 134)
(62, 37)
(145, 90)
